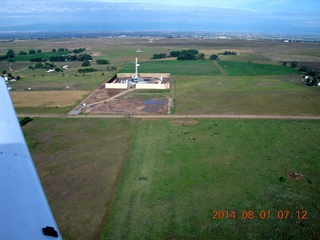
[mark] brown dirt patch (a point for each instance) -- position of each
(132, 106)
(101, 95)
(184, 122)
(295, 176)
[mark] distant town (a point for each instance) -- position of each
(12, 36)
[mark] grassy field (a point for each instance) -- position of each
(179, 172)
(47, 98)
(173, 174)
(41, 80)
(174, 67)
(122, 52)
(46, 102)
(79, 168)
(274, 95)
(253, 69)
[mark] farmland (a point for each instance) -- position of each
(180, 171)
(131, 178)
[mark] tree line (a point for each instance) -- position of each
(191, 54)
(69, 57)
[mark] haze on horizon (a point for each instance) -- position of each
(243, 16)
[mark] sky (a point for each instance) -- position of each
(243, 16)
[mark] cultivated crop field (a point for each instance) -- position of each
(130, 178)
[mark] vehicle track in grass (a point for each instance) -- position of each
(218, 66)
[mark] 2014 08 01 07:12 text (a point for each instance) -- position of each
(262, 214)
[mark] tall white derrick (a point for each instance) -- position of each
(136, 76)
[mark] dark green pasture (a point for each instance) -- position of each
(204, 67)
(252, 69)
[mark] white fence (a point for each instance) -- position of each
(153, 86)
(117, 85)
(144, 75)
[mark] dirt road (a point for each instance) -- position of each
(172, 116)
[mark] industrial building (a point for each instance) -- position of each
(139, 81)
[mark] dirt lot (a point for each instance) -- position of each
(131, 106)
(101, 101)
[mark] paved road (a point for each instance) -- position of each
(172, 116)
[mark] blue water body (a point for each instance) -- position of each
(153, 105)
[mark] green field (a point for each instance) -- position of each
(180, 171)
(162, 179)
(174, 67)
(273, 95)
(79, 168)
(253, 69)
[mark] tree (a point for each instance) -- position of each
(102, 61)
(193, 51)
(39, 51)
(87, 70)
(175, 53)
(78, 50)
(38, 65)
(83, 57)
(303, 69)
(201, 56)
(22, 53)
(10, 53)
(312, 72)
(54, 50)
(187, 55)
(25, 120)
(214, 57)
(294, 64)
(159, 56)
(85, 63)
(32, 51)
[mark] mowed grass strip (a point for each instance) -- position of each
(179, 171)
(175, 67)
(79, 162)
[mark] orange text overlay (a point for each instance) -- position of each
(262, 214)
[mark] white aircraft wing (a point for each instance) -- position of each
(24, 209)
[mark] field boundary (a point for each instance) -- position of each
(217, 65)
(167, 116)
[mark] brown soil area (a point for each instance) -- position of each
(99, 95)
(131, 106)
(99, 102)
(295, 176)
